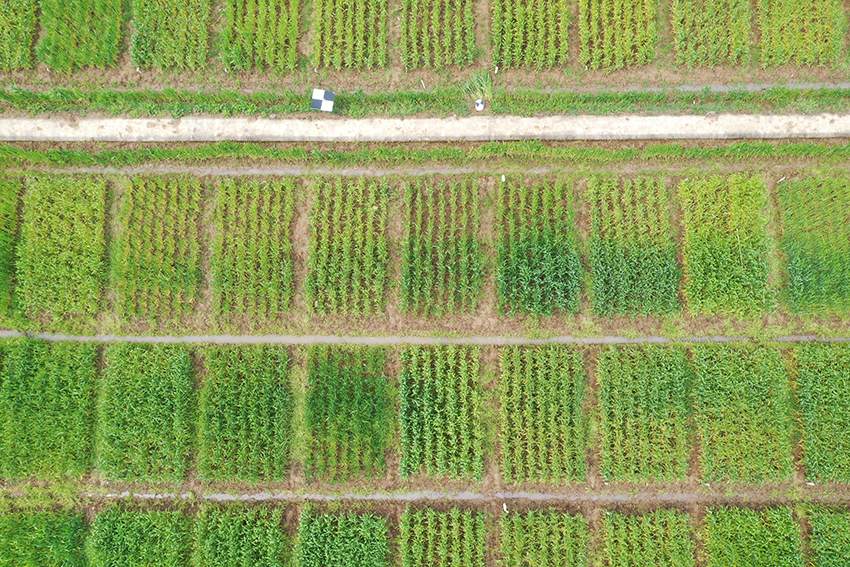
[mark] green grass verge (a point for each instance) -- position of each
(664, 537)
(342, 540)
(544, 538)
(830, 538)
(431, 538)
(42, 539)
(240, 536)
(131, 538)
(755, 538)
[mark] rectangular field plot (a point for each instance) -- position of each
(84, 33)
(18, 28)
(725, 245)
(170, 33)
(429, 538)
(632, 250)
(816, 242)
(241, 536)
(824, 394)
(645, 399)
(543, 426)
(349, 34)
(252, 261)
(246, 411)
(437, 33)
(664, 537)
(614, 35)
(42, 539)
(544, 538)
(801, 32)
(538, 264)
(349, 413)
(341, 540)
(261, 35)
(743, 414)
(145, 413)
(129, 538)
(830, 538)
(533, 35)
(755, 538)
(349, 248)
(443, 265)
(712, 32)
(10, 193)
(441, 428)
(156, 258)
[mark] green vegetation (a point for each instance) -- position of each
(539, 269)
(10, 192)
(42, 539)
(443, 265)
(260, 34)
(809, 32)
(440, 415)
(349, 413)
(437, 33)
(350, 33)
(616, 35)
(816, 242)
(349, 248)
(824, 394)
(246, 409)
(531, 35)
(645, 399)
(129, 538)
(743, 413)
(711, 32)
(252, 260)
(330, 540)
(830, 537)
(544, 538)
(170, 33)
(145, 413)
(84, 33)
(18, 23)
(725, 245)
(664, 537)
(430, 539)
(632, 250)
(239, 536)
(543, 426)
(756, 538)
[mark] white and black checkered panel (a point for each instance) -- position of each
(322, 100)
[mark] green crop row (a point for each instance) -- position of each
(712, 32)
(617, 34)
(437, 33)
(802, 33)
(428, 538)
(530, 34)
(350, 33)
(261, 34)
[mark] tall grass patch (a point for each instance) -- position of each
(712, 32)
(663, 537)
(84, 33)
(170, 33)
(10, 194)
(342, 540)
(350, 34)
(18, 25)
(130, 538)
(437, 33)
(42, 539)
(614, 35)
(756, 538)
(260, 34)
(801, 32)
(241, 536)
(531, 35)
(830, 538)
(544, 538)
(430, 538)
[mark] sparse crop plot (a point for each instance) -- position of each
(441, 428)
(156, 258)
(437, 33)
(246, 411)
(252, 262)
(824, 394)
(429, 538)
(743, 413)
(664, 537)
(240, 536)
(801, 32)
(349, 247)
(543, 425)
(538, 264)
(725, 245)
(544, 538)
(645, 399)
(816, 241)
(260, 34)
(342, 540)
(170, 33)
(18, 25)
(830, 537)
(10, 193)
(443, 265)
(533, 35)
(712, 32)
(756, 538)
(350, 34)
(632, 250)
(145, 413)
(614, 35)
(85, 33)
(129, 538)
(349, 413)
(42, 539)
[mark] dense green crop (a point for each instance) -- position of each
(830, 537)
(645, 399)
(349, 412)
(543, 426)
(533, 35)
(619, 34)
(430, 539)
(443, 264)
(725, 245)
(170, 33)
(349, 248)
(329, 540)
(238, 536)
(18, 23)
(124, 538)
(755, 538)
(83, 33)
(664, 537)
(824, 393)
(539, 269)
(245, 411)
(544, 538)
(10, 191)
(711, 32)
(261, 34)
(441, 428)
(809, 32)
(42, 539)
(437, 33)
(350, 33)
(743, 413)
(252, 261)
(632, 250)
(145, 412)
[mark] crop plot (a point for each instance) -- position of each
(645, 399)
(533, 35)
(711, 32)
(443, 266)
(60, 260)
(725, 246)
(331, 540)
(801, 32)
(816, 241)
(756, 538)
(239, 536)
(539, 269)
(664, 537)
(128, 538)
(743, 414)
(349, 413)
(18, 26)
(632, 250)
(830, 537)
(437, 33)
(171, 33)
(429, 538)
(260, 34)
(246, 409)
(252, 262)
(544, 538)
(616, 35)
(156, 267)
(145, 413)
(441, 427)
(349, 248)
(350, 34)
(10, 191)
(45, 539)
(824, 394)
(543, 426)
(86, 33)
